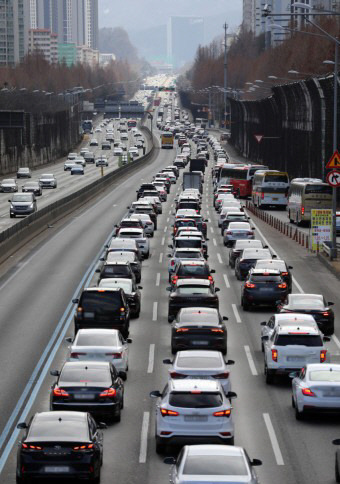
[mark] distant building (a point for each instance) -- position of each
(14, 27)
(67, 53)
(88, 56)
(184, 35)
(45, 42)
(105, 59)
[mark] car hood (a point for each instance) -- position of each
(7, 184)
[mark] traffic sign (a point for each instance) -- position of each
(334, 162)
(333, 178)
(259, 137)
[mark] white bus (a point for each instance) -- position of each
(305, 194)
(270, 188)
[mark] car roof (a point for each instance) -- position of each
(72, 426)
(188, 249)
(294, 317)
(238, 225)
(211, 449)
(303, 295)
(192, 385)
(98, 289)
(194, 262)
(254, 252)
(245, 243)
(193, 282)
(199, 354)
(98, 330)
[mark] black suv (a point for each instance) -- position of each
(102, 308)
(143, 187)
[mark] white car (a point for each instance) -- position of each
(292, 347)
(98, 130)
(94, 142)
(133, 152)
(201, 364)
(72, 156)
(124, 136)
(154, 200)
(316, 389)
(148, 225)
(118, 152)
(79, 161)
(96, 344)
(139, 236)
(193, 409)
(83, 151)
(210, 464)
(227, 209)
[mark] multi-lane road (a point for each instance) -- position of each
(36, 289)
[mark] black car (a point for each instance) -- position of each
(247, 259)
(233, 217)
(60, 445)
(102, 308)
(131, 290)
(89, 386)
(199, 328)
(32, 187)
(196, 269)
(240, 245)
(112, 269)
(313, 304)
(123, 257)
(143, 187)
(263, 287)
(279, 265)
(191, 293)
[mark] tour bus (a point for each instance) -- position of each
(167, 140)
(132, 123)
(242, 177)
(305, 194)
(270, 188)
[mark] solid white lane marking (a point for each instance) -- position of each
(144, 438)
(225, 277)
(167, 219)
(214, 242)
(163, 240)
(219, 258)
(208, 213)
(161, 257)
(158, 279)
(151, 358)
(165, 228)
(212, 230)
(236, 313)
(336, 341)
(273, 440)
(154, 311)
(171, 205)
(250, 361)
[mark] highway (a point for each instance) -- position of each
(38, 284)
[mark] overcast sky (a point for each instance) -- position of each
(135, 15)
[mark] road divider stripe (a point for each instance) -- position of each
(154, 311)
(236, 313)
(273, 440)
(165, 228)
(144, 438)
(161, 257)
(151, 358)
(250, 361)
(219, 258)
(163, 240)
(167, 219)
(212, 230)
(214, 242)
(225, 277)
(158, 278)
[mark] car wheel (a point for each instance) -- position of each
(160, 446)
(122, 403)
(269, 375)
(224, 351)
(237, 276)
(293, 402)
(262, 347)
(117, 415)
(12, 215)
(245, 305)
(299, 415)
(96, 480)
(173, 350)
(337, 472)
(290, 218)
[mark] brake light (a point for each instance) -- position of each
(282, 286)
(250, 285)
(250, 232)
(31, 447)
(229, 232)
(323, 354)
(326, 313)
(182, 330)
(302, 210)
(109, 393)
(60, 392)
(223, 413)
(168, 413)
(172, 263)
(217, 330)
(284, 273)
(174, 279)
(222, 376)
(122, 310)
(210, 278)
(308, 392)
(262, 195)
(75, 355)
(83, 447)
(79, 310)
(275, 355)
(115, 356)
(173, 374)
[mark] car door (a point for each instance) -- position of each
(117, 383)
(125, 350)
(96, 436)
(297, 385)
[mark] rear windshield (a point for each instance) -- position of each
(118, 271)
(298, 339)
(185, 290)
(185, 223)
(237, 217)
(195, 400)
(215, 465)
(198, 362)
(262, 278)
(306, 303)
(279, 178)
(85, 339)
(321, 189)
(193, 270)
(188, 205)
(22, 198)
(189, 243)
(81, 375)
(325, 375)
(188, 255)
(100, 302)
(273, 189)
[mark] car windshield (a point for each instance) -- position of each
(195, 400)
(329, 375)
(92, 339)
(264, 278)
(100, 302)
(187, 255)
(193, 270)
(186, 290)
(185, 223)
(215, 465)
(85, 375)
(22, 198)
(298, 340)
(305, 302)
(198, 362)
(31, 184)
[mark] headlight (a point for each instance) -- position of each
(12, 207)
(31, 206)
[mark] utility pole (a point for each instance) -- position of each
(225, 26)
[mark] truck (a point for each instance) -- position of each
(192, 180)
(197, 164)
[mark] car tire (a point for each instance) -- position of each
(337, 471)
(173, 350)
(20, 480)
(117, 415)
(96, 480)
(160, 446)
(224, 351)
(262, 347)
(269, 375)
(293, 402)
(290, 218)
(12, 215)
(299, 415)
(245, 305)
(122, 403)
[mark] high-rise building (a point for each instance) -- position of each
(44, 42)
(184, 35)
(14, 27)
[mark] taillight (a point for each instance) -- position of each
(250, 232)
(326, 313)
(250, 285)
(282, 286)
(83, 447)
(302, 210)
(168, 413)
(217, 330)
(172, 263)
(109, 393)
(308, 392)
(77, 354)
(31, 447)
(323, 354)
(222, 376)
(174, 279)
(60, 392)
(275, 355)
(115, 356)
(284, 273)
(173, 374)
(262, 195)
(210, 278)
(229, 232)
(122, 310)
(182, 330)
(223, 413)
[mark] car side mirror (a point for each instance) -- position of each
(290, 267)
(9, 201)
(75, 301)
(212, 271)
(265, 338)
(217, 289)
(230, 362)
(69, 339)
(326, 338)
(102, 259)
(128, 206)
(206, 220)
(225, 318)
(263, 323)
(274, 256)
(140, 287)
(122, 375)
(330, 303)
(54, 372)
(172, 460)
(155, 394)
(231, 395)
(256, 462)
(97, 270)
(170, 246)
(169, 255)
(22, 425)
(253, 228)
(101, 425)
(128, 340)
(265, 246)
(293, 374)
(334, 442)
(167, 361)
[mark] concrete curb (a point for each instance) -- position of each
(328, 265)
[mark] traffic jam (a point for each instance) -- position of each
(193, 409)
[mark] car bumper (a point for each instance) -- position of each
(198, 342)
(93, 408)
(263, 297)
(42, 470)
(22, 212)
(196, 439)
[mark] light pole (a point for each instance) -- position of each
(225, 26)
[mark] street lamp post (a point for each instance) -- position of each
(225, 26)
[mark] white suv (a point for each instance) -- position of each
(189, 410)
(290, 347)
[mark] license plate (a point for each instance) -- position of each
(295, 358)
(275, 198)
(266, 289)
(88, 315)
(83, 396)
(199, 377)
(200, 342)
(57, 469)
(195, 418)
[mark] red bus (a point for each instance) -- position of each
(132, 123)
(241, 177)
(157, 101)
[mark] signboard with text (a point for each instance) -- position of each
(321, 227)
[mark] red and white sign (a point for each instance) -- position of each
(333, 178)
(259, 137)
(334, 162)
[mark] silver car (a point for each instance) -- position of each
(68, 165)
(183, 254)
(148, 225)
(237, 231)
(48, 180)
(139, 236)
(207, 464)
(8, 185)
(24, 173)
(22, 204)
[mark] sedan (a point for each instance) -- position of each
(201, 364)
(94, 142)
(238, 247)
(98, 344)
(102, 161)
(314, 304)
(48, 180)
(233, 217)
(77, 170)
(279, 265)
(8, 185)
(24, 173)
(90, 386)
(68, 165)
(210, 464)
(248, 259)
(131, 290)
(237, 231)
(32, 187)
(316, 389)
(263, 287)
(191, 293)
(60, 445)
